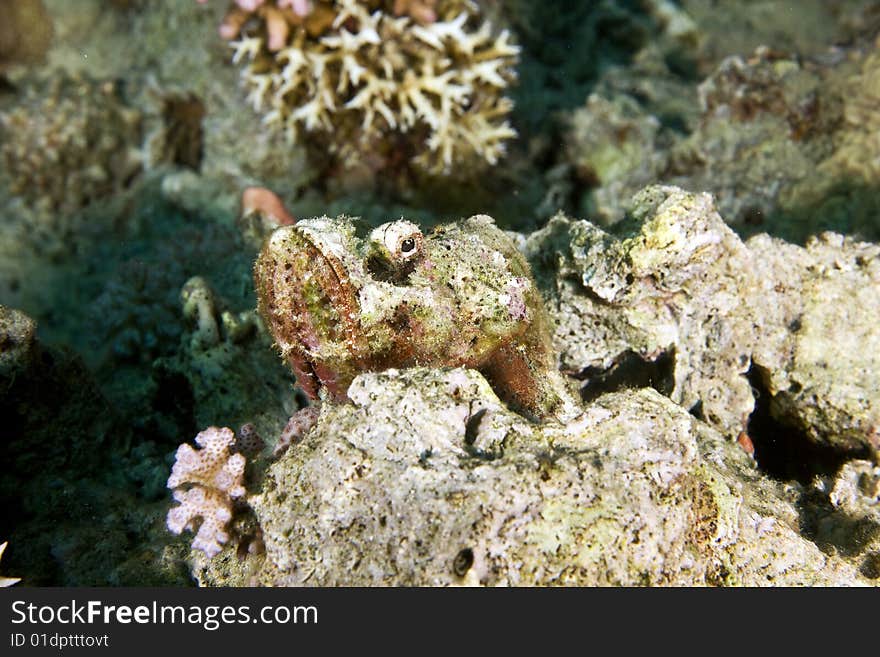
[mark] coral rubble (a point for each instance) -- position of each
(220, 354)
(786, 144)
(858, 141)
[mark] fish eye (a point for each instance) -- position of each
(397, 242)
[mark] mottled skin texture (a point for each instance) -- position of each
(461, 295)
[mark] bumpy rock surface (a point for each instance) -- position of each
(17, 337)
(635, 491)
(72, 141)
(787, 145)
(681, 286)
(426, 478)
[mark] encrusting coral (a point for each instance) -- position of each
(372, 79)
(205, 483)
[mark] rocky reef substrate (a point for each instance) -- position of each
(727, 351)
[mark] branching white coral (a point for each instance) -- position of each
(7, 581)
(372, 74)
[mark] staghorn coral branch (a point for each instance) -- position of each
(358, 72)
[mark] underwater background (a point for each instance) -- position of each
(129, 130)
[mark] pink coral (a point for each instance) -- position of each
(265, 202)
(421, 11)
(277, 17)
(297, 426)
(205, 482)
(299, 7)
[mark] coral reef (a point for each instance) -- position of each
(370, 83)
(70, 142)
(612, 146)
(727, 315)
(205, 483)
(636, 491)
(858, 141)
(820, 358)
(540, 504)
(461, 295)
(756, 462)
(671, 286)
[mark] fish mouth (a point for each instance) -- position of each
(308, 300)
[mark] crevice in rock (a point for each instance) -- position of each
(835, 531)
(785, 452)
(630, 370)
(870, 567)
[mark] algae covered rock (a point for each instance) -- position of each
(427, 479)
(672, 287)
(822, 365)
